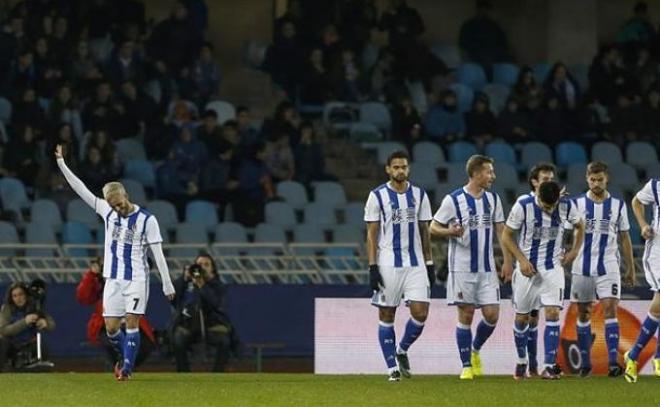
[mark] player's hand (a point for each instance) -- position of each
(507, 272)
(42, 324)
(95, 266)
(168, 290)
(647, 232)
(375, 279)
(59, 151)
(430, 272)
(569, 257)
(455, 230)
(630, 279)
(199, 281)
(527, 269)
(31, 318)
(563, 192)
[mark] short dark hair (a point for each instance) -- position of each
(549, 192)
(241, 109)
(596, 167)
(398, 154)
(476, 162)
(537, 169)
(210, 113)
(208, 256)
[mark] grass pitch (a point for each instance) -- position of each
(167, 389)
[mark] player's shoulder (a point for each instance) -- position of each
(525, 199)
(145, 212)
(416, 189)
(379, 188)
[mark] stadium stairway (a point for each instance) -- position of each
(356, 168)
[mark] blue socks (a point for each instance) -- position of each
(464, 342)
(414, 329)
(649, 327)
(551, 339)
(386, 338)
(484, 330)
(117, 341)
(532, 341)
(584, 342)
(521, 338)
(131, 347)
(612, 340)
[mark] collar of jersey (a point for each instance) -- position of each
(387, 185)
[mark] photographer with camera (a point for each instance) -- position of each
(199, 316)
(21, 318)
(90, 292)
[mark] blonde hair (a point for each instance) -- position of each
(112, 188)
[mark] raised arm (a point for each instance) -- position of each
(76, 184)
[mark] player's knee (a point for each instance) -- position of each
(466, 315)
(584, 314)
(534, 316)
(420, 315)
(386, 314)
(552, 314)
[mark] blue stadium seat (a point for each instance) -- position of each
(418, 96)
(78, 211)
(624, 175)
(339, 115)
(130, 149)
(230, 232)
(385, 148)
(202, 213)
(8, 235)
(293, 193)
(363, 132)
(348, 233)
(541, 71)
(5, 110)
(652, 170)
(319, 213)
(13, 194)
(505, 74)
(135, 191)
(141, 171)
(308, 233)
(641, 154)
(280, 213)
(424, 174)
(224, 110)
(329, 193)
(428, 151)
(581, 74)
(77, 233)
(575, 178)
(507, 177)
(569, 152)
(354, 213)
(377, 114)
(472, 75)
(607, 152)
(502, 153)
(268, 233)
(464, 96)
(456, 175)
(460, 151)
(46, 211)
(165, 213)
(40, 233)
(534, 152)
(450, 54)
(497, 96)
(189, 233)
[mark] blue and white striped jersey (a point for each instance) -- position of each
(599, 254)
(649, 195)
(399, 241)
(473, 252)
(542, 232)
(126, 242)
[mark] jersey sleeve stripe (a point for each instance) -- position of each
(411, 229)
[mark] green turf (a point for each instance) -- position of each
(167, 389)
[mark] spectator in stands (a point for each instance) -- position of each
(216, 182)
(4, 168)
(175, 42)
(607, 76)
(404, 117)
(357, 20)
(309, 157)
(286, 121)
(513, 125)
(90, 292)
(651, 118)
(21, 317)
(189, 155)
(61, 40)
(22, 75)
(125, 65)
(246, 131)
(159, 140)
(204, 76)
(102, 112)
(316, 88)
(330, 44)
(383, 80)
(82, 64)
(347, 79)
(526, 91)
(49, 71)
(200, 315)
(592, 119)
(626, 119)
(403, 23)
(561, 84)
(552, 121)
(95, 171)
(12, 39)
(64, 109)
(255, 187)
(64, 135)
(480, 122)
(28, 111)
(140, 110)
(443, 121)
(284, 58)
(24, 154)
(482, 38)
(638, 30)
(209, 132)
(172, 186)
(279, 158)
(644, 70)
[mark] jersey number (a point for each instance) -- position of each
(137, 301)
(615, 289)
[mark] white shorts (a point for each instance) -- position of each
(476, 289)
(409, 283)
(542, 290)
(592, 288)
(121, 297)
(652, 264)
